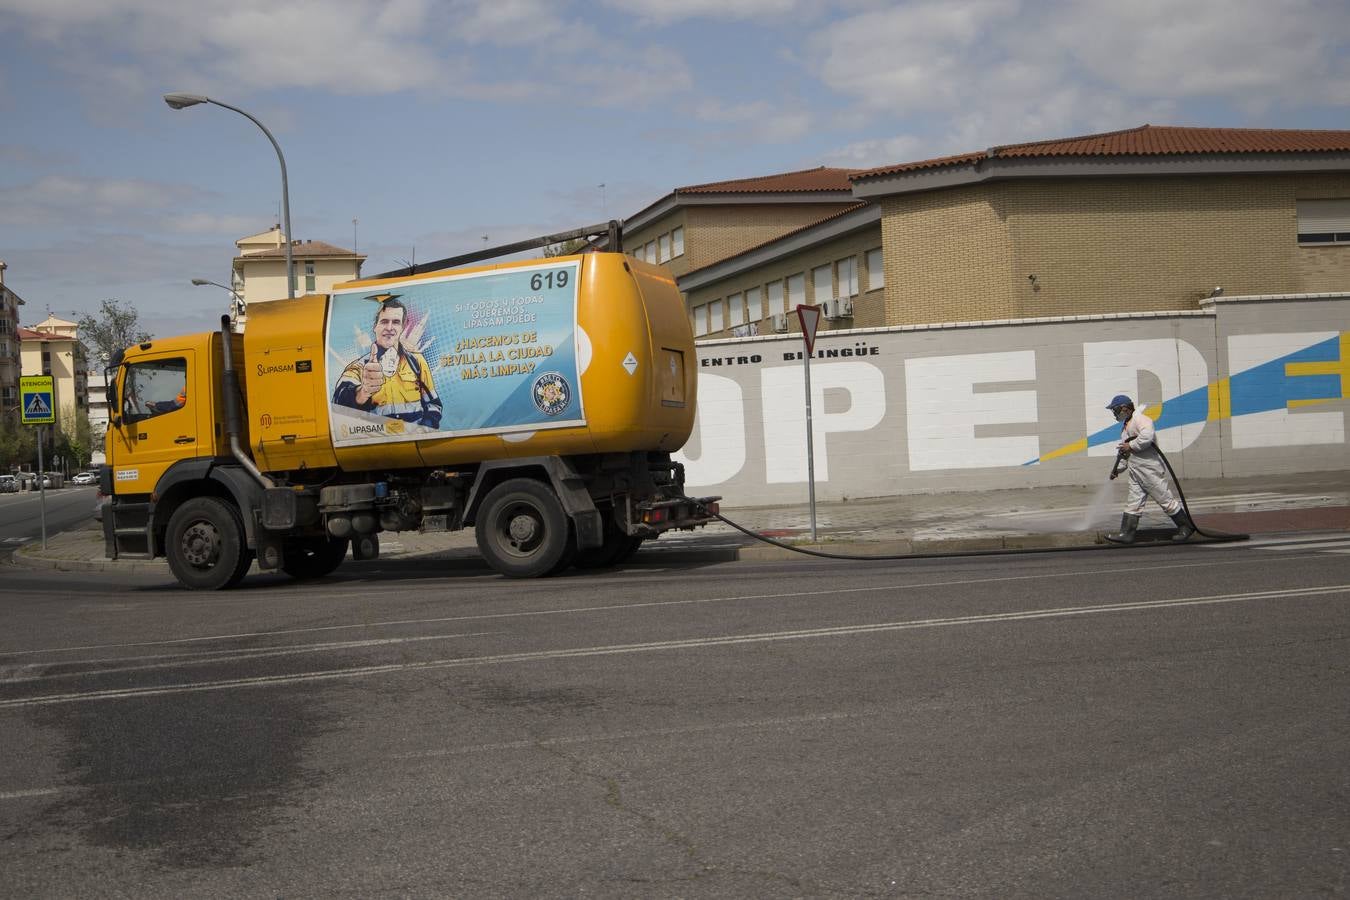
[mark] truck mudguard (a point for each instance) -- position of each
(569, 486)
(242, 488)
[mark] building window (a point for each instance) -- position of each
(715, 316)
(309, 276)
(754, 307)
(776, 305)
(650, 252)
(822, 284)
(848, 276)
(796, 287)
(1323, 221)
(700, 320)
(663, 245)
(4, 326)
(677, 242)
(876, 273)
(4, 348)
(735, 310)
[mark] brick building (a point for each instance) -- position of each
(10, 368)
(1148, 219)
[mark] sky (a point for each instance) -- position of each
(419, 129)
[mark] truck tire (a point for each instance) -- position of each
(205, 546)
(522, 530)
(616, 546)
(313, 557)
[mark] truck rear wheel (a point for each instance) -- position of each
(205, 545)
(522, 530)
(313, 557)
(617, 546)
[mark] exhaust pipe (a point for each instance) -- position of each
(233, 420)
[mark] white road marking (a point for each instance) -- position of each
(33, 792)
(659, 646)
(1302, 542)
(20, 674)
(567, 611)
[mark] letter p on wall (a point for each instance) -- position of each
(783, 389)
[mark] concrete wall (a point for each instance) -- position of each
(1243, 386)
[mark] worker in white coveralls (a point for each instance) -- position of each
(1148, 478)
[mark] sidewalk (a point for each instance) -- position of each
(1023, 518)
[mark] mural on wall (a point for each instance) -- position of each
(894, 413)
(1309, 368)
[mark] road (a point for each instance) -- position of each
(1161, 722)
(21, 514)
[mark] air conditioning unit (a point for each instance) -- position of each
(780, 322)
(838, 308)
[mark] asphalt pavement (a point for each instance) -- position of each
(1012, 519)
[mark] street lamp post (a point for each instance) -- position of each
(238, 306)
(182, 101)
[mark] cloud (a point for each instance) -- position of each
(59, 275)
(874, 153)
(663, 11)
(1257, 52)
(912, 57)
(503, 51)
(70, 200)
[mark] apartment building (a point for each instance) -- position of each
(698, 225)
(10, 366)
(258, 272)
(1154, 218)
(53, 347)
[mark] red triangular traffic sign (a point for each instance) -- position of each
(809, 316)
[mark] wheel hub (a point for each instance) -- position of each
(201, 544)
(523, 528)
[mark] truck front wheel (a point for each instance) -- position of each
(522, 530)
(205, 545)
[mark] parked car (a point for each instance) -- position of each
(8, 484)
(85, 478)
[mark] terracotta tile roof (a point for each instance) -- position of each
(304, 248)
(28, 334)
(1146, 140)
(821, 178)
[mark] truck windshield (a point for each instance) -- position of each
(154, 389)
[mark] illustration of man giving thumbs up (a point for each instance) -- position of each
(392, 381)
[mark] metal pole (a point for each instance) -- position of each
(810, 445)
(42, 490)
(182, 101)
(285, 195)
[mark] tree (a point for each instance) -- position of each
(73, 441)
(18, 443)
(114, 328)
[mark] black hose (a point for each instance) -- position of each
(943, 555)
(1115, 470)
(1181, 495)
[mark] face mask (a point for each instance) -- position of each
(1123, 414)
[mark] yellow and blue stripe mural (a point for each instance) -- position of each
(1315, 374)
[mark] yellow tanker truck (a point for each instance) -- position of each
(536, 401)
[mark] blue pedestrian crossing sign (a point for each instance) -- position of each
(35, 400)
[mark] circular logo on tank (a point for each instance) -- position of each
(551, 393)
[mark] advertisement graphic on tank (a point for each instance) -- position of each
(483, 353)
